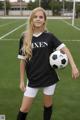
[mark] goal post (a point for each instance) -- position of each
(74, 11)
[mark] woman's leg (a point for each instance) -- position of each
(47, 107)
(26, 104)
(25, 107)
(28, 98)
(48, 92)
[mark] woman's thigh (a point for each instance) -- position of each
(28, 98)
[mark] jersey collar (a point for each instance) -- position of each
(37, 35)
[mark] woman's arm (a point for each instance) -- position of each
(75, 72)
(22, 74)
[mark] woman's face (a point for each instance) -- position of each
(38, 19)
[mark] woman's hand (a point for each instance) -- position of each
(22, 86)
(75, 72)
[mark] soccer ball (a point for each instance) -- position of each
(58, 59)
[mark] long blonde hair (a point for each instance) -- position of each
(28, 35)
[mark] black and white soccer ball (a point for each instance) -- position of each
(58, 59)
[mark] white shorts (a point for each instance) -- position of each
(32, 92)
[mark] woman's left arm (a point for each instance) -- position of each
(75, 72)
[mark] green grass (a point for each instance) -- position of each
(63, 31)
(67, 95)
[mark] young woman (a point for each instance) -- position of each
(36, 44)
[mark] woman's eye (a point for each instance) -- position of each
(35, 16)
(40, 17)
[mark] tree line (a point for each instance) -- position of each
(56, 6)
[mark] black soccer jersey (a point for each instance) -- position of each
(38, 69)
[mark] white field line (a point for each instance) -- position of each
(71, 25)
(7, 23)
(72, 40)
(16, 39)
(12, 31)
(26, 17)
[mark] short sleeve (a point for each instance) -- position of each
(20, 52)
(56, 43)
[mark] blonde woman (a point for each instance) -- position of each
(36, 44)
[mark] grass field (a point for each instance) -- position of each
(67, 95)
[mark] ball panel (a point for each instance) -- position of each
(54, 57)
(63, 61)
(58, 60)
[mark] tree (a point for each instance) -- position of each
(38, 3)
(69, 5)
(55, 7)
(77, 10)
(45, 4)
(6, 6)
(31, 5)
(1, 5)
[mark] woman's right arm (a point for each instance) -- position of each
(22, 75)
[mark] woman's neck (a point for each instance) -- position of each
(37, 31)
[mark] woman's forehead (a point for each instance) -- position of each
(39, 13)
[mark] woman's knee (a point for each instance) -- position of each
(26, 104)
(47, 100)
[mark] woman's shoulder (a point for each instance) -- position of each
(49, 33)
(24, 34)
